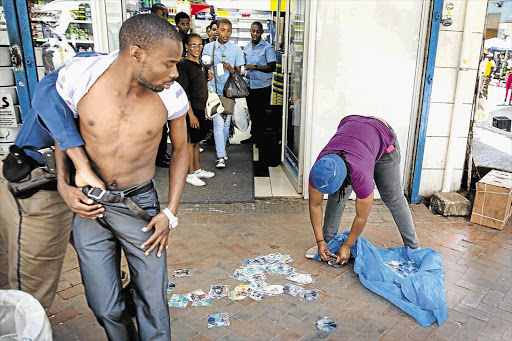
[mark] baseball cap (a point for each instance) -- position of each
(328, 173)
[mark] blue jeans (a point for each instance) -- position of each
(98, 243)
(220, 133)
(388, 179)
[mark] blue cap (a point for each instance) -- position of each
(328, 173)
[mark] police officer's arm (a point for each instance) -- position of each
(363, 207)
(77, 201)
(84, 175)
(315, 215)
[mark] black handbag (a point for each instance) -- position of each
(235, 86)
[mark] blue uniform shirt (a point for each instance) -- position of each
(228, 52)
(262, 54)
(47, 107)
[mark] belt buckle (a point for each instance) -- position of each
(97, 197)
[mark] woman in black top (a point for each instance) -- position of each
(193, 78)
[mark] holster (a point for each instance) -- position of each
(37, 179)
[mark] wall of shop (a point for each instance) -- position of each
(446, 76)
(367, 61)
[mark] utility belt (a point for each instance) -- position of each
(25, 176)
(106, 196)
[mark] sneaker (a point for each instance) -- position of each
(220, 163)
(201, 150)
(202, 174)
(226, 157)
(312, 252)
(194, 180)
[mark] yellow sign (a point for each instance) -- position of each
(273, 5)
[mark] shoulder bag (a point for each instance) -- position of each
(227, 103)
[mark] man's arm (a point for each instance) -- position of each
(57, 118)
(177, 175)
(363, 207)
(179, 162)
(77, 201)
(270, 67)
(84, 174)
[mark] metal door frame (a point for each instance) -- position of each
(295, 179)
(20, 41)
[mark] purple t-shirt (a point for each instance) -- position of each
(364, 140)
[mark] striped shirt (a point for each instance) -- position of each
(80, 73)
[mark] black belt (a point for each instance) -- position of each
(106, 196)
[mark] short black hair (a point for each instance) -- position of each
(214, 22)
(179, 16)
(257, 23)
(224, 21)
(146, 30)
(190, 36)
(158, 7)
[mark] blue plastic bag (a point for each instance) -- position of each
(420, 294)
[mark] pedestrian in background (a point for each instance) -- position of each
(193, 79)
(183, 25)
(227, 59)
(162, 157)
(260, 63)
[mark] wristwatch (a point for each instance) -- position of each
(173, 221)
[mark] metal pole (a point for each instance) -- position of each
(278, 25)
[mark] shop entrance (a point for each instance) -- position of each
(293, 65)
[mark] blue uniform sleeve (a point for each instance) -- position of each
(240, 59)
(270, 55)
(55, 114)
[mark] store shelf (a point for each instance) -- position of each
(81, 41)
(43, 20)
(80, 22)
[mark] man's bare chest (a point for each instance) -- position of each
(101, 114)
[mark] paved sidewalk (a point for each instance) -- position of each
(213, 239)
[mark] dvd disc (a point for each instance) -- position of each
(326, 325)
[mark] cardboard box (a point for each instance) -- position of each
(493, 199)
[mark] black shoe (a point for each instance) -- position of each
(163, 162)
(248, 141)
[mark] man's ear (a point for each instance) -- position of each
(136, 53)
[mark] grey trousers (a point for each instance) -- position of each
(388, 180)
(98, 243)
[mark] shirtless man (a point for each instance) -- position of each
(122, 101)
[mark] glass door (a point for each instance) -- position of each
(294, 69)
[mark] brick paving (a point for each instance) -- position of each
(213, 239)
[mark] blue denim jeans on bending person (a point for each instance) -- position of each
(220, 133)
(388, 179)
(98, 243)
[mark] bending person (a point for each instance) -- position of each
(363, 153)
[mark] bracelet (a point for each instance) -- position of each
(319, 241)
(173, 221)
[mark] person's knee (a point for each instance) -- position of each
(113, 314)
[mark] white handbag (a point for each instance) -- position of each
(213, 104)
